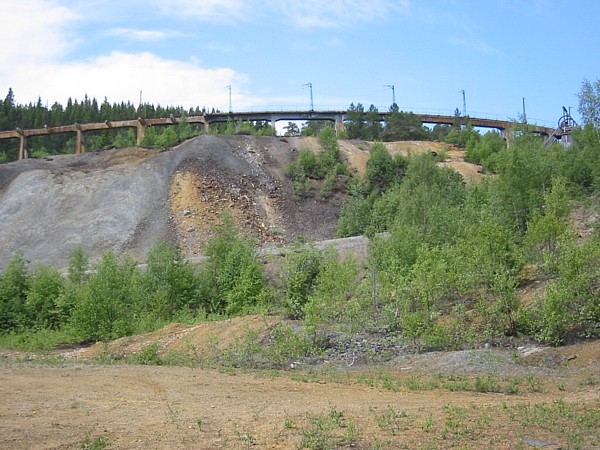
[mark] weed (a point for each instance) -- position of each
(415, 383)
(534, 383)
(454, 423)
(487, 384)
(324, 432)
(428, 425)
(575, 424)
(246, 438)
(381, 445)
(390, 383)
(97, 443)
(590, 380)
(149, 356)
(392, 420)
(289, 424)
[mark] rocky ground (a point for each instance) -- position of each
(527, 397)
(126, 200)
(366, 391)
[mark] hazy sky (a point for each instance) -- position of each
(185, 52)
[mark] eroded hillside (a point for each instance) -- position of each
(126, 200)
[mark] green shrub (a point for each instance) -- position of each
(167, 137)
(479, 151)
(107, 305)
(571, 306)
(148, 356)
(326, 165)
(46, 287)
(382, 169)
(334, 287)
(299, 271)
(170, 281)
(232, 280)
(328, 186)
(288, 344)
(355, 217)
(14, 284)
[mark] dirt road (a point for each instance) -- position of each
(74, 405)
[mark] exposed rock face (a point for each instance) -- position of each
(126, 200)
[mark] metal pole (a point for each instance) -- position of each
(230, 107)
(524, 115)
(312, 108)
(464, 103)
(391, 86)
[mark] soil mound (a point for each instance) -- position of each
(125, 200)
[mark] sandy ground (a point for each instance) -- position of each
(126, 200)
(66, 400)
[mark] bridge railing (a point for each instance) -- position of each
(417, 110)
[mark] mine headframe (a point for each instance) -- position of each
(562, 134)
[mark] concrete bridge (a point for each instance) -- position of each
(337, 117)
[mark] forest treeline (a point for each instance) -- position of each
(449, 273)
(359, 124)
(38, 115)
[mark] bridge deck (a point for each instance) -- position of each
(271, 116)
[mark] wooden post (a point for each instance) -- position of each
(80, 144)
(23, 147)
(141, 130)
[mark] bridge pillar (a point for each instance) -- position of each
(339, 122)
(506, 134)
(273, 120)
(141, 130)
(79, 142)
(23, 147)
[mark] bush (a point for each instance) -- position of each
(167, 137)
(170, 281)
(46, 287)
(382, 169)
(479, 151)
(231, 281)
(14, 284)
(288, 344)
(334, 287)
(299, 271)
(571, 307)
(355, 217)
(107, 306)
(326, 165)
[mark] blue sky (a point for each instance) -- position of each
(185, 52)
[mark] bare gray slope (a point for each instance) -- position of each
(119, 199)
(80, 200)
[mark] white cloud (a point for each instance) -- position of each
(305, 13)
(336, 13)
(120, 76)
(40, 62)
(210, 10)
(138, 35)
(34, 31)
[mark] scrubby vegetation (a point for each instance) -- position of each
(322, 170)
(446, 266)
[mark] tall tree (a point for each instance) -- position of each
(403, 126)
(373, 127)
(355, 121)
(589, 102)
